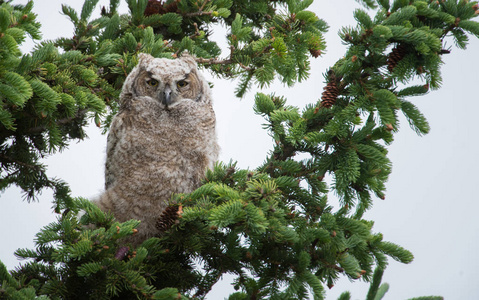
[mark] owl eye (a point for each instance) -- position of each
(152, 82)
(181, 83)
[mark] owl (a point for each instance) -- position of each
(161, 141)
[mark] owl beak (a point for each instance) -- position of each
(166, 97)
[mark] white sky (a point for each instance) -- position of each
(431, 202)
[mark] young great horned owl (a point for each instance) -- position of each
(161, 141)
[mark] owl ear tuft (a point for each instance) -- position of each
(188, 58)
(144, 57)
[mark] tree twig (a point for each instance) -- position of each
(12, 160)
(200, 11)
(41, 128)
(215, 61)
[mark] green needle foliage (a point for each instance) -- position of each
(46, 98)
(273, 227)
(377, 290)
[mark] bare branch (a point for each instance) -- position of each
(200, 11)
(215, 61)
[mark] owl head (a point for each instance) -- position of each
(167, 81)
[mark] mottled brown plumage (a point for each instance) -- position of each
(161, 141)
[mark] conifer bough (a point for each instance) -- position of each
(272, 227)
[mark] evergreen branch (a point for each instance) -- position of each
(334, 267)
(42, 128)
(11, 175)
(229, 61)
(20, 163)
(203, 5)
(196, 33)
(375, 283)
(204, 290)
(200, 11)
(274, 223)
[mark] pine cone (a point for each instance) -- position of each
(158, 7)
(330, 93)
(169, 217)
(315, 52)
(153, 7)
(395, 56)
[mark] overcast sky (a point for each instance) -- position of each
(431, 203)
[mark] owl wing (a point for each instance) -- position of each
(112, 142)
(208, 125)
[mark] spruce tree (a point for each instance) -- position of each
(272, 227)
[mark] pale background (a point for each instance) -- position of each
(431, 203)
